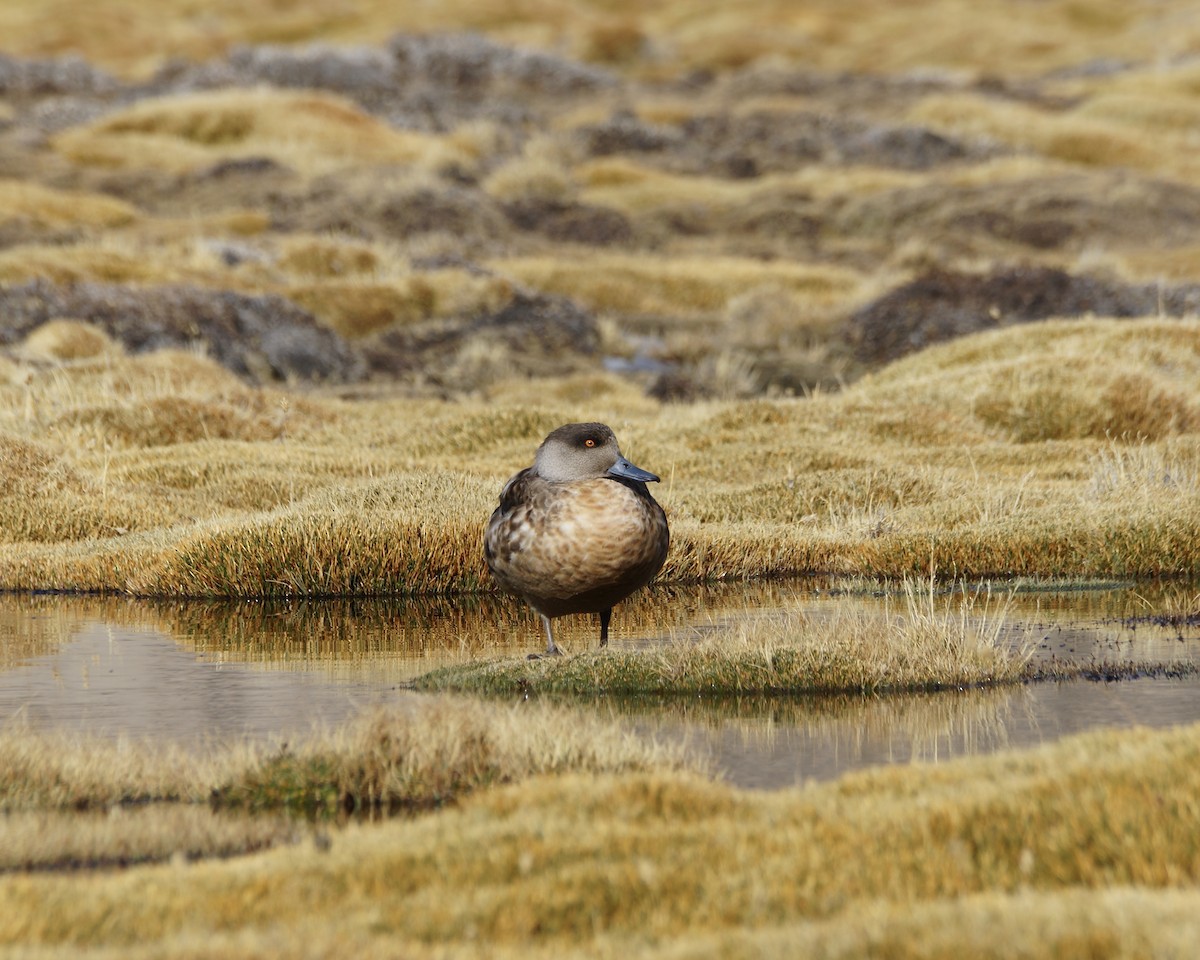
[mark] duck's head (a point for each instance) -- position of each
(584, 451)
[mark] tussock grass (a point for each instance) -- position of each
(1111, 131)
(69, 340)
(977, 455)
(124, 836)
(929, 644)
(44, 771)
(579, 862)
(49, 209)
(1145, 472)
(870, 36)
(358, 307)
(1118, 923)
(414, 755)
(1058, 380)
(637, 190)
(352, 288)
(111, 259)
(306, 130)
(676, 286)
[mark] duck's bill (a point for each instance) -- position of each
(627, 471)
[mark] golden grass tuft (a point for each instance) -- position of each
(301, 129)
(1118, 131)
(45, 499)
(126, 836)
(677, 286)
(356, 309)
(34, 205)
(66, 339)
(534, 178)
(111, 260)
(1142, 471)
(328, 258)
(1060, 380)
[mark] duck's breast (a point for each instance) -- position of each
(563, 540)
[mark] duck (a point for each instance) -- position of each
(577, 532)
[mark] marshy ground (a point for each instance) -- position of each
(287, 291)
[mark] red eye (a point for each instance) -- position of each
(589, 442)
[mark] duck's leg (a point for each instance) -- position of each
(551, 648)
(605, 616)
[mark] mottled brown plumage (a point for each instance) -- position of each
(578, 531)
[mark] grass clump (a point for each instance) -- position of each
(55, 840)
(298, 128)
(672, 287)
(927, 645)
(43, 208)
(409, 757)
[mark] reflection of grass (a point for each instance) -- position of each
(1175, 604)
(927, 645)
(937, 725)
(584, 864)
(389, 759)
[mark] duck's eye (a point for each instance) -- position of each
(589, 442)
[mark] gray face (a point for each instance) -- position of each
(584, 451)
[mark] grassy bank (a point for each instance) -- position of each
(390, 760)
(164, 475)
(602, 865)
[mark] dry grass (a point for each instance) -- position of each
(1059, 449)
(162, 474)
(603, 864)
(829, 35)
(678, 287)
(125, 836)
(49, 209)
(312, 132)
(412, 756)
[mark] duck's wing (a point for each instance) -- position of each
(517, 491)
(507, 529)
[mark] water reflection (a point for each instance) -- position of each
(194, 671)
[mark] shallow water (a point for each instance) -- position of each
(194, 672)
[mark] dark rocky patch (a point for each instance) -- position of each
(418, 82)
(877, 95)
(943, 304)
(623, 132)
(58, 76)
(333, 205)
(262, 338)
(532, 335)
(740, 146)
(571, 222)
